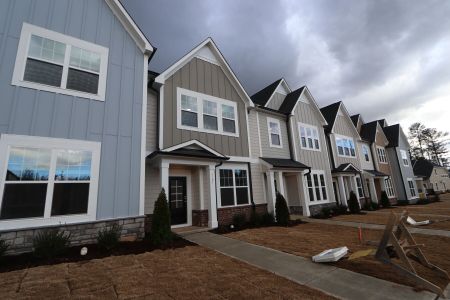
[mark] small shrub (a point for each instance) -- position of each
(385, 200)
(267, 219)
(402, 202)
(327, 212)
(281, 211)
(239, 221)
(50, 243)
(367, 206)
(3, 247)
(255, 219)
(161, 233)
(341, 209)
(353, 204)
(375, 206)
(108, 238)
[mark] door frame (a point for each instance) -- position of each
(187, 174)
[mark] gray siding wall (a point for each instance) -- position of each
(116, 122)
(343, 126)
(259, 191)
(318, 160)
(203, 77)
(276, 101)
(253, 131)
(152, 119)
(268, 151)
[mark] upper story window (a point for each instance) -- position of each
(309, 137)
(47, 181)
(404, 158)
(345, 146)
(359, 187)
(274, 128)
(365, 150)
(381, 152)
(200, 112)
(51, 61)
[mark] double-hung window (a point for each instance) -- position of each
(274, 128)
(404, 158)
(389, 188)
(47, 181)
(50, 61)
(365, 150)
(309, 137)
(359, 187)
(233, 185)
(382, 155)
(412, 190)
(205, 113)
(345, 146)
(317, 189)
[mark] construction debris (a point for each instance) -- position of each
(413, 222)
(331, 255)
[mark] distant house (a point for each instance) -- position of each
(435, 177)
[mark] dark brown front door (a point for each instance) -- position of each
(178, 200)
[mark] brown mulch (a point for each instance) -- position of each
(191, 272)
(310, 239)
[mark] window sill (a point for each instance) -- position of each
(16, 224)
(309, 149)
(311, 203)
(237, 205)
(276, 146)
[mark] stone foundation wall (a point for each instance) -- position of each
(200, 218)
(225, 215)
(315, 209)
(21, 241)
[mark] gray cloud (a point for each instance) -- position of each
(379, 57)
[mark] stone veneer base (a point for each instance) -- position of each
(225, 214)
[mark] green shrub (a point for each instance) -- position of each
(160, 232)
(385, 200)
(375, 206)
(239, 221)
(255, 219)
(341, 209)
(281, 211)
(327, 212)
(367, 206)
(50, 243)
(3, 247)
(108, 238)
(267, 219)
(353, 204)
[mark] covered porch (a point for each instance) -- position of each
(375, 184)
(346, 178)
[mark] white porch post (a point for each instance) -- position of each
(373, 191)
(342, 192)
(165, 177)
(355, 186)
(201, 188)
(212, 209)
(301, 183)
(271, 191)
(280, 181)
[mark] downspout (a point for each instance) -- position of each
(291, 141)
(251, 187)
(157, 114)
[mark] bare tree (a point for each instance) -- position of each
(417, 140)
(436, 142)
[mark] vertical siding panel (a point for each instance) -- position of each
(75, 19)
(113, 102)
(126, 103)
(40, 13)
(80, 111)
(200, 76)
(58, 16)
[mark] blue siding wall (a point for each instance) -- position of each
(116, 123)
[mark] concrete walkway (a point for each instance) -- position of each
(437, 232)
(334, 281)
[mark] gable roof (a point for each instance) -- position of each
(127, 21)
(355, 119)
(346, 168)
(262, 97)
(284, 163)
(291, 100)
(382, 122)
(215, 51)
(392, 133)
(369, 131)
(330, 113)
(192, 148)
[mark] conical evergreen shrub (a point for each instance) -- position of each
(161, 233)
(385, 200)
(353, 204)
(281, 211)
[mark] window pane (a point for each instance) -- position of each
(226, 177)
(352, 151)
(28, 164)
(70, 198)
(318, 193)
(209, 122)
(43, 72)
(209, 108)
(340, 150)
(308, 180)
(189, 118)
(85, 59)
(347, 152)
(324, 193)
(274, 127)
(228, 111)
(23, 200)
(275, 138)
(229, 126)
(240, 177)
(303, 142)
(311, 194)
(316, 180)
(242, 195)
(82, 81)
(73, 165)
(226, 196)
(310, 143)
(47, 49)
(188, 103)
(316, 143)
(302, 132)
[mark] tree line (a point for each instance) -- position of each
(429, 143)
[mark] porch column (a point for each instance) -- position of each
(164, 169)
(212, 209)
(271, 191)
(342, 192)
(280, 181)
(201, 188)
(373, 191)
(355, 185)
(301, 183)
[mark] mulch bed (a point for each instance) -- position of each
(28, 260)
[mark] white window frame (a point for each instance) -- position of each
(322, 200)
(232, 167)
(381, 154)
(389, 188)
(54, 144)
(22, 55)
(275, 121)
(200, 127)
(312, 128)
(343, 137)
(412, 188)
(366, 148)
(359, 185)
(404, 159)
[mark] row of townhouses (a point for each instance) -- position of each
(89, 136)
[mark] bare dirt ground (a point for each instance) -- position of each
(312, 238)
(438, 212)
(191, 272)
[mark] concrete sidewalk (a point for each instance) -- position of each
(437, 232)
(331, 280)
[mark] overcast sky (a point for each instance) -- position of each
(384, 59)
